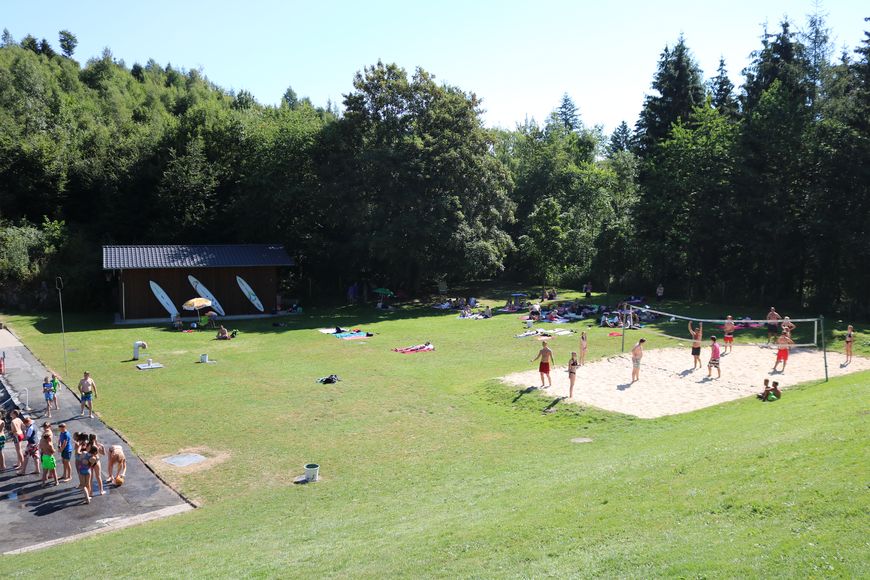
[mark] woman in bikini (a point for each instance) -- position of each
(573, 365)
(850, 338)
(584, 346)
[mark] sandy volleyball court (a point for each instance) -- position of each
(668, 385)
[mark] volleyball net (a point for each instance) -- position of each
(804, 332)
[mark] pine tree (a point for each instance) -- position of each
(567, 113)
(722, 93)
(7, 38)
(782, 57)
(68, 42)
(45, 48)
(620, 140)
(680, 89)
(30, 43)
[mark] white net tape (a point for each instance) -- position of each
(740, 324)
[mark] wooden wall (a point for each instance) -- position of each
(141, 303)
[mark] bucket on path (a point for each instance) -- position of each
(203, 358)
(312, 470)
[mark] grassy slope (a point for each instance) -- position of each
(431, 468)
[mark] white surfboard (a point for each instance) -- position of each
(163, 298)
(204, 293)
(249, 293)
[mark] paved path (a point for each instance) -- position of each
(34, 517)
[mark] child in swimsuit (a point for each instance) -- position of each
(83, 467)
(573, 365)
(55, 385)
(97, 450)
(48, 393)
(64, 443)
(584, 346)
(46, 455)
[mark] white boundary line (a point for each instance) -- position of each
(109, 527)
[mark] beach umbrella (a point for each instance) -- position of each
(383, 291)
(196, 304)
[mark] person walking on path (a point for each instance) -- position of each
(697, 336)
(546, 356)
(573, 365)
(17, 427)
(55, 386)
(48, 393)
(728, 328)
(88, 390)
(772, 324)
(636, 356)
(850, 338)
(783, 344)
(714, 359)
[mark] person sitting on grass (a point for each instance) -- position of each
(223, 333)
(770, 393)
(487, 312)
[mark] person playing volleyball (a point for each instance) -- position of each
(697, 336)
(773, 319)
(728, 329)
(849, 339)
(783, 343)
(636, 356)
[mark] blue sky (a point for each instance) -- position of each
(520, 57)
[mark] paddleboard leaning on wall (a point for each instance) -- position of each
(249, 293)
(163, 298)
(205, 293)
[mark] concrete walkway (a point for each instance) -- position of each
(34, 517)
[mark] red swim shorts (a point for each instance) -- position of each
(729, 339)
(544, 367)
(782, 355)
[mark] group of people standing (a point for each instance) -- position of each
(40, 447)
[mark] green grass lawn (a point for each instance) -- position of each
(432, 467)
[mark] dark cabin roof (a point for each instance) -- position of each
(213, 256)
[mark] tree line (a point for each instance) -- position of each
(739, 194)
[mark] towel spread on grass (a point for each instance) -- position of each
(416, 348)
(614, 334)
(356, 334)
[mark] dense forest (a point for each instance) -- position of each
(753, 193)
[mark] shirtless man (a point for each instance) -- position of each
(88, 390)
(783, 343)
(788, 325)
(697, 335)
(728, 328)
(546, 356)
(636, 355)
(17, 426)
(773, 319)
